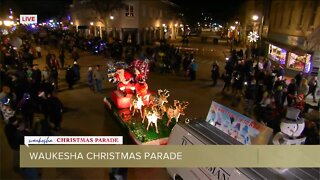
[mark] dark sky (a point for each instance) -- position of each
(221, 10)
(43, 8)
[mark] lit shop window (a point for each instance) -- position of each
(129, 10)
(299, 62)
(277, 54)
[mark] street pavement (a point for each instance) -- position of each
(86, 115)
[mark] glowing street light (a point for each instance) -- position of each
(176, 25)
(91, 23)
(8, 23)
(164, 25)
(111, 17)
(71, 23)
(255, 17)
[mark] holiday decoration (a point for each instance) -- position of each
(176, 111)
(291, 128)
(133, 96)
(136, 105)
(253, 36)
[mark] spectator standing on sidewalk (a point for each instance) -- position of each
(250, 96)
(38, 49)
(298, 79)
(313, 84)
(291, 92)
(304, 87)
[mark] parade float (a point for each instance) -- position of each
(146, 114)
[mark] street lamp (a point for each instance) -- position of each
(255, 17)
(91, 23)
(111, 17)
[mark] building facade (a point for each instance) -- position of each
(140, 21)
(289, 32)
(293, 35)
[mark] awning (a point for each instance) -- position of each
(289, 48)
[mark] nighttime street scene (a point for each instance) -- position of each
(157, 72)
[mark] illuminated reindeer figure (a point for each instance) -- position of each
(163, 96)
(136, 105)
(152, 113)
(176, 111)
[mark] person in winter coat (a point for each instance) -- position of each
(70, 77)
(90, 79)
(313, 84)
(250, 96)
(76, 71)
(193, 70)
(98, 78)
(291, 92)
(304, 87)
(55, 111)
(215, 73)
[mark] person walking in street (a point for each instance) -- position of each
(48, 59)
(313, 84)
(215, 73)
(70, 77)
(98, 77)
(227, 82)
(76, 71)
(54, 77)
(90, 79)
(55, 111)
(193, 69)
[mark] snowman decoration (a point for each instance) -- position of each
(291, 129)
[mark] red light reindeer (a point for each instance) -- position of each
(176, 111)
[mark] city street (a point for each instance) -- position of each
(260, 64)
(85, 113)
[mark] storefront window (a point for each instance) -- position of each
(299, 62)
(277, 54)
